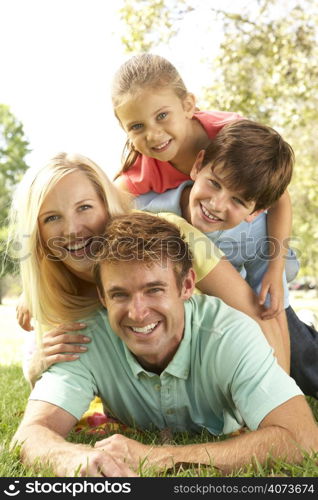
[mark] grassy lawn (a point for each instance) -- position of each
(14, 393)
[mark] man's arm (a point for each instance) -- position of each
(41, 435)
(285, 433)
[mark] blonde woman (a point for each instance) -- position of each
(59, 213)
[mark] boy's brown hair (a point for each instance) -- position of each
(254, 159)
(145, 238)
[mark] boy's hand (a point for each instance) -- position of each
(272, 284)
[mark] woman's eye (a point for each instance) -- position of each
(162, 115)
(85, 207)
(51, 218)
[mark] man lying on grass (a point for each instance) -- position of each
(161, 357)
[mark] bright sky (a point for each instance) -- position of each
(57, 61)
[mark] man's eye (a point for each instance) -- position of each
(155, 290)
(51, 218)
(136, 126)
(118, 295)
(162, 115)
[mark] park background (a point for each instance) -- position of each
(258, 58)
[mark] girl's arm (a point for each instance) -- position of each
(279, 222)
(225, 282)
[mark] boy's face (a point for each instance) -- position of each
(212, 206)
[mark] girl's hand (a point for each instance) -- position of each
(272, 284)
(23, 314)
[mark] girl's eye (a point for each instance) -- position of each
(136, 126)
(51, 218)
(85, 207)
(162, 115)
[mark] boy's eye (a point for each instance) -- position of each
(51, 218)
(162, 115)
(136, 126)
(238, 201)
(215, 184)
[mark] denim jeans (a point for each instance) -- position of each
(304, 354)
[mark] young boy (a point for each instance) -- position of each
(229, 204)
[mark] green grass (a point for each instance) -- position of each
(14, 392)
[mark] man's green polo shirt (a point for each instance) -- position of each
(223, 375)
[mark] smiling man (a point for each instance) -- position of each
(161, 358)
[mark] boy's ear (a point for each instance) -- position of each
(253, 215)
(197, 165)
(189, 105)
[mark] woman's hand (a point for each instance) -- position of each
(58, 345)
(23, 314)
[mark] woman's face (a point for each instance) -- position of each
(70, 216)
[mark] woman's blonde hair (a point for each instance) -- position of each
(50, 289)
(140, 72)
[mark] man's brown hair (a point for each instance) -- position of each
(147, 239)
(254, 159)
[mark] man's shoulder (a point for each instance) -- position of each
(211, 314)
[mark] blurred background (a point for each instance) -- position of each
(258, 58)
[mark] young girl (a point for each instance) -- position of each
(164, 136)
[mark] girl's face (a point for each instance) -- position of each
(157, 122)
(70, 216)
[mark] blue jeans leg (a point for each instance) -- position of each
(304, 354)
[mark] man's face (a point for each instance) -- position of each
(146, 308)
(214, 207)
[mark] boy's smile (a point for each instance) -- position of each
(214, 207)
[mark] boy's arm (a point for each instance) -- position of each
(279, 221)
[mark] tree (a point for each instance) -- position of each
(13, 149)
(267, 70)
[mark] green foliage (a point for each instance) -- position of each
(148, 21)
(13, 149)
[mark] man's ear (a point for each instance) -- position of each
(188, 285)
(189, 106)
(102, 299)
(197, 165)
(253, 215)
